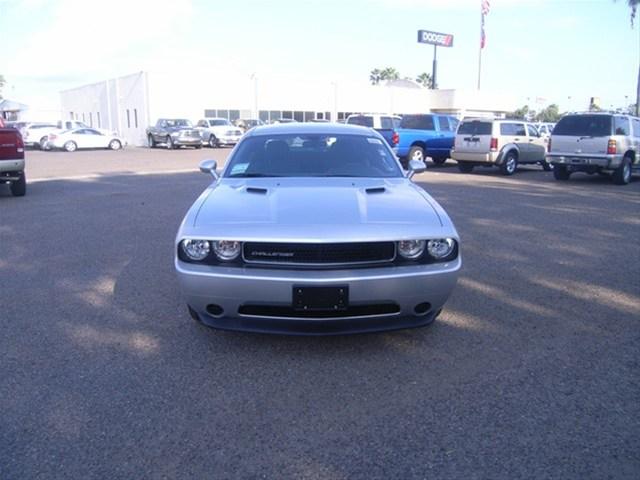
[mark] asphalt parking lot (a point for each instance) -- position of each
(532, 370)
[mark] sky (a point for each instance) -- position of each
(541, 51)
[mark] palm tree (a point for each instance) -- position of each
(389, 73)
(2, 82)
(424, 79)
(375, 76)
(633, 5)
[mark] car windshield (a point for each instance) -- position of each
(215, 123)
(361, 120)
(474, 127)
(313, 155)
(584, 126)
(178, 123)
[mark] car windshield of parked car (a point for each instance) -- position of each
(179, 123)
(361, 120)
(217, 123)
(313, 155)
(474, 127)
(584, 125)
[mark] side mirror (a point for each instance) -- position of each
(416, 166)
(209, 166)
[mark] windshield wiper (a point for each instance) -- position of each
(254, 175)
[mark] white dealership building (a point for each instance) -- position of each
(129, 104)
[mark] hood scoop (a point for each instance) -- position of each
(258, 190)
(373, 190)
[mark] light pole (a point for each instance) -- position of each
(256, 112)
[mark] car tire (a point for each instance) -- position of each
(19, 187)
(198, 147)
(439, 160)
(115, 145)
(70, 146)
(152, 142)
(509, 164)
(169, 143)
(213, 141)
(42, 144)
(416, 153)
(560, 172)
(465, 167)
(622, 174)
(546, 166)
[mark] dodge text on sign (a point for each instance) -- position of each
(435, 38)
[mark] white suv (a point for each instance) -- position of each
(603, 143)
(503, 143)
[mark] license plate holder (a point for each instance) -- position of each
(320, 298)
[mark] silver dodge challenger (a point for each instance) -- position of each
(315, 229)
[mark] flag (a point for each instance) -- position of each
(485, 7)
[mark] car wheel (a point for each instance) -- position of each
(169, 143)
(213, 141)
(439, 160)
(546, 166)
(152, 142)
(465, 167)
(115, 145)
(19, 187)
(510, 164)
(198, 147)
(622, 174)
(416, 153)
(43, 143)
(560, 172)
(70, 146)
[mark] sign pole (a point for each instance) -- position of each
(434, 72)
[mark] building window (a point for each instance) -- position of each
(288, 114)
(135, 117)
(71, 115)
(91, 119)
(298, 116)
(83, 117)
(208, 113)
(128, 119)
(308, 116)
(234, 114)
(223, 114)
(264, 116)
(98, 118)
(327, 115)
(319, 116)
(274, 115)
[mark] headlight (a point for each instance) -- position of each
(227, 250)
(441, 248)
(195, 249)
(411, 249)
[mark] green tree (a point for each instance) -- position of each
(424, 79)
(375, 76)
(521, 112)
(633, 5)
(389, 73)
(549, 114)
(2, 82)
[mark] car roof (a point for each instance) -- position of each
(216, 118)
(311, 128)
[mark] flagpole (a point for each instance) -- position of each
(480, 49)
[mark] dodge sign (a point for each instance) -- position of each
(435, 38)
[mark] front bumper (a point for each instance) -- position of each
(231, 140)
(187, 141)
(582, 161)
(235, 289)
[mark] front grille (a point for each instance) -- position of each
(281, 311)
(319, 253)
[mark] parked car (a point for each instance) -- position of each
(426, 135)
(246, 124)
(218, 132)
(35, 134)
(383, 124)
(284, 120)
(82, 138)
(502, 143)
(338, 239)
(12, 160)
(602, 143)
(173, 132)
(545, 129)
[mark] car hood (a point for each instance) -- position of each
(317, 209)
